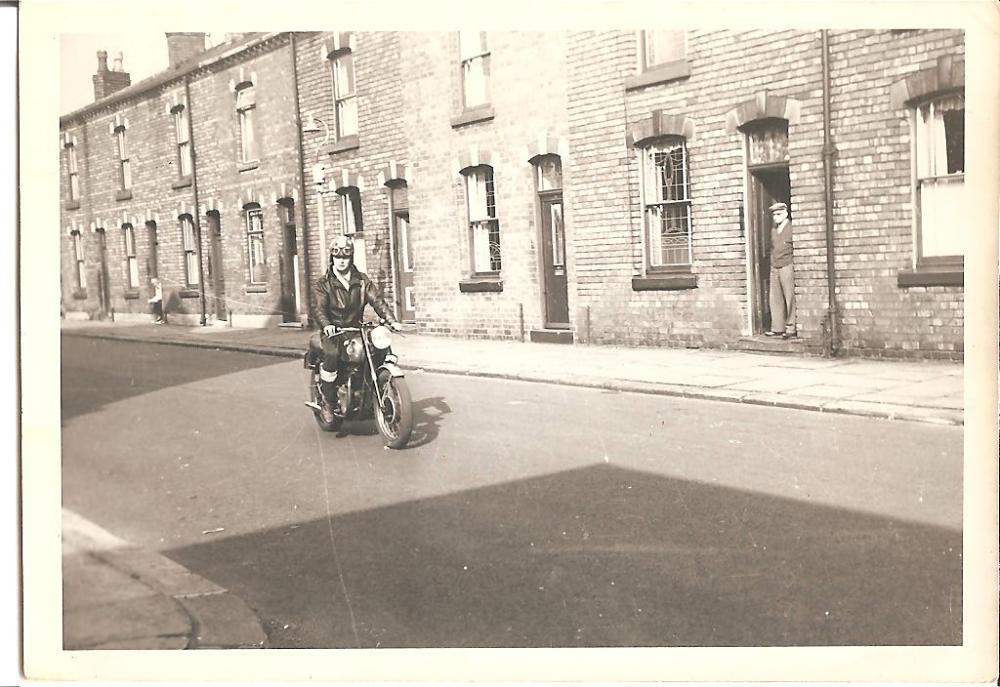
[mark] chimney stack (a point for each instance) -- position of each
(107, 81)
(182, 46)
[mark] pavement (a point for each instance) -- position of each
(120, 596)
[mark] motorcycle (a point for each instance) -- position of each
(374, 384)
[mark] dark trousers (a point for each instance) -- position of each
(157, 310)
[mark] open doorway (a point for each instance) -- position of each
(768, 185)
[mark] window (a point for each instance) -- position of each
(940, 172)
(125, 170)
(350, 210)
(255, 245)
(484, 229)
(78, 257)
(246, 105)
(181, 134)
(344, 95)
(475, 59)
(74, 173)
(189, 242)
(131, 261)
(657, 48)
(667, 204)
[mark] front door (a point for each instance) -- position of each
(288, 261)
(216, 272)
(554, 261)
(767, 186)
(103, 287)
(404, 262)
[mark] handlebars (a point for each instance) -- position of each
(364, 325)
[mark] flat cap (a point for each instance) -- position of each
(778, 206)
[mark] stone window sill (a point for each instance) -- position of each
(343, 145)
(123, 194)
(930, 277)
(80, 294)
(248, 166)
(131, 294)
(481, 285)
(189, 293)
(665, 282)
(72, 205)
(256, 288)
(183, 182)
(664, 73)
(481, 113)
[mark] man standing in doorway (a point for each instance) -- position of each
(782, 279)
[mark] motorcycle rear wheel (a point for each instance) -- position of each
(316, 397)
(395, 419)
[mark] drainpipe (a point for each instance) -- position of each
(829, 150)
(302, 174)
(196, 217)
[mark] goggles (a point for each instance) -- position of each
(341, 252)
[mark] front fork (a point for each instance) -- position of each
(388, 364)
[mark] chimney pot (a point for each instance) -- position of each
(107, 81)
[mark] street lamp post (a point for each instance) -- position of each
(319, 180)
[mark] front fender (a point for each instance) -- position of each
(391, 368)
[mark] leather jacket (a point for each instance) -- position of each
(342, 308)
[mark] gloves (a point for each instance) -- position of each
(329, 330)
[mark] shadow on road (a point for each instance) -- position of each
(596, 556)
(427, 414)
(96, 372)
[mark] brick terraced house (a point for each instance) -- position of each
(191, 176)
(593, 187)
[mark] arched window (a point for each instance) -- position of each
(667, 203)
(246, 105)
(255, 243)
(131, 261)
(939, 141)
(344, 92)
(79, 260)
(124, 165)
(181, 132)
(73, 170)
(475, 60)
(189, 244)
(484, 226)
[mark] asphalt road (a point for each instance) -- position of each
(522, 514)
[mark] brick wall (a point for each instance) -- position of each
(380, 140)
(569, 86)
(528, 98)
(873, 208)
(873, 240)
(228, 184)
(158, 193)
(606, 210)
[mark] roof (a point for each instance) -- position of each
(202, 59)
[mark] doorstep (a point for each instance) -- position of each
(561, 336)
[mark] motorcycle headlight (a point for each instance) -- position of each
(381, 337)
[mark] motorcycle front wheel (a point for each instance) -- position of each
(332, 424)
(395, 418)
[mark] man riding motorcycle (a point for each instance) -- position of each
(341, 295)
